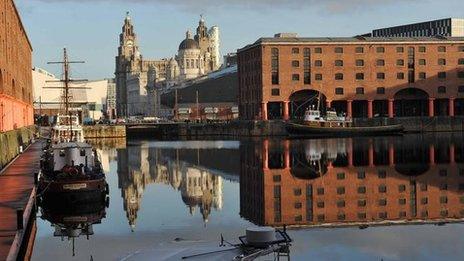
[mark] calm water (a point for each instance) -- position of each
(393, 198)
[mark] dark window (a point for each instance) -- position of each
(461, 74)
(422, 62)
(275, 78)
(380, 62)
(400, 62)
(320, 191)
(339, 91)
(400, 49)
(382, 174)
(82, 153)
(441, 89)
(307, 63)
(297, 192)
(341, 190)
(276, 178)
(359, 50)
(359, 62)
(298, 218)
(360, 90)
(401, 188)
(380, 49)
(318, 63)
(295, 51)
(444, 213)
(382, 202)
(341, 175)
(320, 218)
(298, 205)
(422, 75)
(461, 61)
(341, 203)
(443, 186)
(441, 49)
(318, 77)
(441, 75)
(295, 77)
(461, 88)
(381, 76)
(361, 175)
(402, 214)
(461, 48)
(402, 201)
(296, 64)
(320, 204)
(341, 217)
(338, 50)
(362, 203)
(318, 50)
(307, 78)
(306, 52)
(339, 76)
(360, 76)
(441, 62)
(383, 215)
(338, 62)
(275, 92)
(381, 90)
(362, 190)
(422, 49)
(361, 215)
(382, 189)
(400, 76)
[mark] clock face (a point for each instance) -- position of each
(129, 43)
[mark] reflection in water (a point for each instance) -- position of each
(74, 221)
(365, 181)
(186, 170)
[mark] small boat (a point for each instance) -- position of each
(71, 172)
(333, 125)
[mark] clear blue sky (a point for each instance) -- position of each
(90, 28)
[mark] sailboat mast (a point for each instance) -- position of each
(66, 81)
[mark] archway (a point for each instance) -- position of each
(411, 102)
(302, 100)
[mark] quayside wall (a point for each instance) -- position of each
(277, 128)
(104, 131)
(11, 141)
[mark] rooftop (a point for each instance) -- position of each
(356, 39)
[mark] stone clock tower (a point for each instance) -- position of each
(128, 51)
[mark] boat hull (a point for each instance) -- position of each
(74, 192)
(296, 129)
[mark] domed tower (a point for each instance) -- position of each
(189, 58)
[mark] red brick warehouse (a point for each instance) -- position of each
(16, 95)
(364, 77)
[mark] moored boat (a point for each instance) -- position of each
(333, 125)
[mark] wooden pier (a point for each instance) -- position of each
(17, 204)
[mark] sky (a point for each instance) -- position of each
(90, 28)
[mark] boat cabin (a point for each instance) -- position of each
(67, 129)
(73, 154)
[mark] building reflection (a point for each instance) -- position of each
(141, 165)
(343, 182)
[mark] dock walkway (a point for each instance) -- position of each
(16, 188)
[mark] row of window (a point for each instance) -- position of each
(379, 62)
(381, 215)
(361, 76)
(383, 202)
(379, 49)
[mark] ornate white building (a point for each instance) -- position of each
(138, 81)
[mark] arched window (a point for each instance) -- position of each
(339, 76)
(442, 89)
(461, 61)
